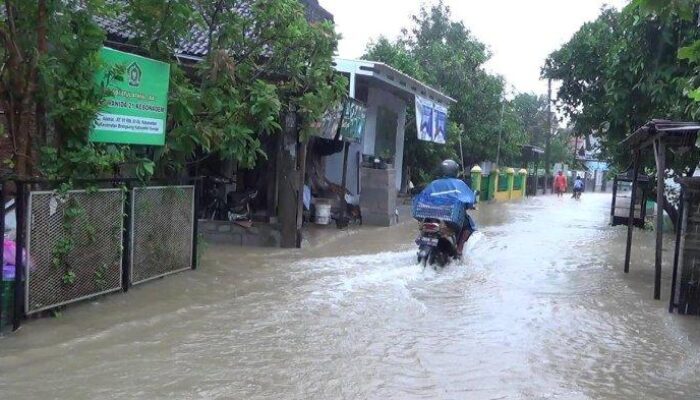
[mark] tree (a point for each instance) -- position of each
(622, 70)
(444, 54)
(531, 109)
(49, 50)
(262, 58)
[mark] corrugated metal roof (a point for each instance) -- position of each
(674, 133)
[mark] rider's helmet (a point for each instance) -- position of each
(449, 168)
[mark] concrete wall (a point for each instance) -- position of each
(228, 233)
(376, 98)
(378, 201)
(510, 194)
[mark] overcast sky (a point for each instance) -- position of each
(519, 33)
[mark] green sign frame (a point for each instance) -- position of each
(137, 111)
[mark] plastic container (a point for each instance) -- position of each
(323, 213)
(453, 213)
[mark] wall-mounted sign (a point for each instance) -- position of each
(354, 118)
(137, 111)
(431, 120)
(344, 121)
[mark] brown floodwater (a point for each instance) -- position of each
(539, 310)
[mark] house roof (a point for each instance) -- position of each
(673, 133)
(406, 85)
(194, 44)
(533, 149)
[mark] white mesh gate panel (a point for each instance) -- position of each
(162, 234)
(74, 244)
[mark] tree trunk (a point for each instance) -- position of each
(43, 49)
(289, 183)
(18, 86)
(21, 133)
(672, 211)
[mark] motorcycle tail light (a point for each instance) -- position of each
(430, 227)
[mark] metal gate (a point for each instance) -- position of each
(162, 231)
(485, 188)
(74, 243)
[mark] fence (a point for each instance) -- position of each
(484, 193)
(518, 182)
(685, 286)
(499, 186)
(503, 184)
(76, 245)
(161, 246)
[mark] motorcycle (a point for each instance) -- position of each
(437, 243)
(233, 206)
(238, 205)
(441, 209)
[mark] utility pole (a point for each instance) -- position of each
(547, 154)
(500, 133)
(461, 153)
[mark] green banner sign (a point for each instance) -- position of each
(136, 113)
(351, 113)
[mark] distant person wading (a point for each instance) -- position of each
(560, 184)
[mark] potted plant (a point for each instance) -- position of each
(387, 159)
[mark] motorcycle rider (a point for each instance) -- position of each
(579, 187)
(449, 170)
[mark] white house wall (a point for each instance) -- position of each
(376, 97)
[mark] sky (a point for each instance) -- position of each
(519, 33)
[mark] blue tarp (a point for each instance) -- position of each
(444, 199)
(447, 191)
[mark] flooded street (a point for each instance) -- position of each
(540, 310)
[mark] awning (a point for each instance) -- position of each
(674, 134)
(402, 85)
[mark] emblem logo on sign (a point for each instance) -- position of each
(134, 74)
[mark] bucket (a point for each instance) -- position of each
(323, 213)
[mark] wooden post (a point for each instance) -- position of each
(288, 182)
(301, 180)
(630, 222)
(682, 218)
(537, 175)
(340, 223)
(547, 150)
(271, 176)
(660, 152)
(614, 201)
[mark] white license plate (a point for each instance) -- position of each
(429, 241)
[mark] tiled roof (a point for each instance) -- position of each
(194, 44)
